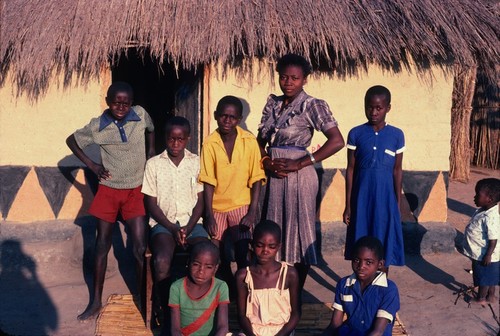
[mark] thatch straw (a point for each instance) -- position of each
(485, 123)
(78, 37)
(463, 92)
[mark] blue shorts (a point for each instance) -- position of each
(198, 231)
(486, 275)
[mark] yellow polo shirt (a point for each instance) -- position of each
(232, 180)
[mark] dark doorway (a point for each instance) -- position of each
(163, 91)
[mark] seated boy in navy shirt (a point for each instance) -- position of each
(369, 299)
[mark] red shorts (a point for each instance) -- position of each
(108, 201)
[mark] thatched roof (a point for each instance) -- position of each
(79, 37)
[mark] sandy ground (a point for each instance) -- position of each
(43, 286)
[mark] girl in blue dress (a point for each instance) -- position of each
(374, 179)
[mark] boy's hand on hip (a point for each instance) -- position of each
(101, 172)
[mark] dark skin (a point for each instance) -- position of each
(119, 106)
(163, 245)
(265, 274)
(486, 293)
(375, 111)
(202, 268)
(365, 265)
(292, 81)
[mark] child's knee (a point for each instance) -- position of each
(139, 251)
(162, 262)
(102, 246)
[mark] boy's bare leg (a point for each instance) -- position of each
(241, 253)
(491, 295)
(302, 270)
(102, 246)
(137, 226)
(481, 294)
(163, 248)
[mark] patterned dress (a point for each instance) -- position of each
(374, 207)
(291, 201)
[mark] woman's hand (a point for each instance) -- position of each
(275, 167)
(290, 165)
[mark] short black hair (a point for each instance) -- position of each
(267, 226)
(491, 186)
(119, 87)
(296, 60)
(230, 100)
(371, 243)
(378, 90)
(205, 246)
(177, 121)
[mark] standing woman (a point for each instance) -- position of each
(287, 126)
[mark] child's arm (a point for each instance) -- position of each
(398, 176)
(196, 214)
(249, 220)
(349, 179)
(335, 323)
(208, 197)
(487, 257)
(222, 320)
(334, 143)
(175, 321)
(292, 280)
(98, 169)
(379, 326)
(241, 303)
(150, 144)
(157, 214)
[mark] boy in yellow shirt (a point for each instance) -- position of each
(232, 177)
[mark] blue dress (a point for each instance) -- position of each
(374, 207)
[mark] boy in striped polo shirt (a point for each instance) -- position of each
(122, 133)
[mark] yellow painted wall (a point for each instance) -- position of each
(33, 133)
(421, 109)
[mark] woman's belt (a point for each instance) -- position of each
(289, 147)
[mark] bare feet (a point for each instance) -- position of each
(91, 311)
(480, 301)
(492, 299)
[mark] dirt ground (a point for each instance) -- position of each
(43, 286)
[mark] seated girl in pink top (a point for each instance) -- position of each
(268, 291)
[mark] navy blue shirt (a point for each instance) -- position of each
(380, 299)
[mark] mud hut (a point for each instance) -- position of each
(57, 59)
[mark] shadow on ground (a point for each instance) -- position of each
(25, 303)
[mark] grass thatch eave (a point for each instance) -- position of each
(78, 37)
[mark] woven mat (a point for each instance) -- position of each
(120, 316)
